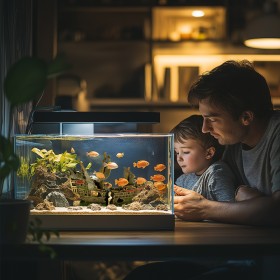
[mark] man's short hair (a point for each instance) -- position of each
(234, 86)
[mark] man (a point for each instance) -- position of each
(236, 106)
(235, 103)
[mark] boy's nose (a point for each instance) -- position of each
(179, 157)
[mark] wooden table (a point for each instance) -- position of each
(188, 240)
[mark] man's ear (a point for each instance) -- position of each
(247, 117)
(210, 152)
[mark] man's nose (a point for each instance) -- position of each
(205, 127)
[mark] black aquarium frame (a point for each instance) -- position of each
(86, 123)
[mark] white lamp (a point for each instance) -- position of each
(263, 32)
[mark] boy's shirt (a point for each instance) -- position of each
(216, 183)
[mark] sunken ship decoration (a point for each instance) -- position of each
(71, 180)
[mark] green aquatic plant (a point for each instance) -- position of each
(24, 169)
(127, 174)
(104, 170)
(88, 166)
(54, 163)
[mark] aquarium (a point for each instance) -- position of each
(100, 181)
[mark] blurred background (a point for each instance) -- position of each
(143, 55)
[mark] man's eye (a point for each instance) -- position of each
(211, 120)
(186, 153)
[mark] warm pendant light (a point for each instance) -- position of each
(264, 31)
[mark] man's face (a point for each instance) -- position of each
(221, 124)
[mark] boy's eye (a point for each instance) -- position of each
(186, 153)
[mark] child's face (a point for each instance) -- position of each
(191, 156)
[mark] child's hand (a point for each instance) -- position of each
(188, 205)
(177, 188)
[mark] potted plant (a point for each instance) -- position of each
(25, 80)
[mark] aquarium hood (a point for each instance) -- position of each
(87, 123)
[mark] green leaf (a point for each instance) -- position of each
(25, 80)
(89, 166)
(57, 66)
(38, 152)
(9, 161)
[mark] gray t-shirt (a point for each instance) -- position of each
(258, 167)
(216, 183)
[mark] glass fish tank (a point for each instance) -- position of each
(97, 182)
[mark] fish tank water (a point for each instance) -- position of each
(97, 182)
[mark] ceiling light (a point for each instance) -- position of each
(263, 32)
(197, 13)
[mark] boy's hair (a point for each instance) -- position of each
(191, 128)
(235, 87)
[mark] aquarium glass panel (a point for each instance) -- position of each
(110, 172)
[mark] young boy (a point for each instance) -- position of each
(198, 155)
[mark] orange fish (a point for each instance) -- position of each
(111, 165)
(141, 164)
(140, 181)
(99, 175)
(158, 178)
(120, 155)
(159, 167)
(160, 186)
(93, 154)
(121, 182)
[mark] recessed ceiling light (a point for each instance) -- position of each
(198, 13)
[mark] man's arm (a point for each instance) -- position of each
(191, 206)
(244, 192)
